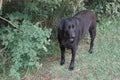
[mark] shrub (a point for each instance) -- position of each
(109, 8)
(24, 44)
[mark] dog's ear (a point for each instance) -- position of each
(61, 24)
(77, 23)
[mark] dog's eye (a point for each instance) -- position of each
(69, 27)
(73, 26)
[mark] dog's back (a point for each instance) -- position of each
(87, 19)
(85, 15)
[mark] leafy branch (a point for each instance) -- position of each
(11, 24)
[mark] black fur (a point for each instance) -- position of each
(73, 29)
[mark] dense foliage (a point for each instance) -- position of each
(109, 8)
(23, 46)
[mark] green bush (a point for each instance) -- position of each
(23, 45)
(108, 8)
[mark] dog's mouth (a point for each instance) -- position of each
(71, 40)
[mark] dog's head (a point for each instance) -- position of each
(68, 27)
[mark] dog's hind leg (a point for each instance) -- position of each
(92, 31)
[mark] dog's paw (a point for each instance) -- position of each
(90, 51)
(62, 62)
(71, 67)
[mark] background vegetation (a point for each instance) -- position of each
(28, 30)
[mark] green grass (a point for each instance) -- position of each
(103, 64)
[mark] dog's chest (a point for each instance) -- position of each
(67, 44)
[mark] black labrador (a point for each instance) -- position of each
(73, 29)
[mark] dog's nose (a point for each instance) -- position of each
(73, 36)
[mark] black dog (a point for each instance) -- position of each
(73, 29)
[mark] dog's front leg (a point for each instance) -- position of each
(71, 67)
(62, 55)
